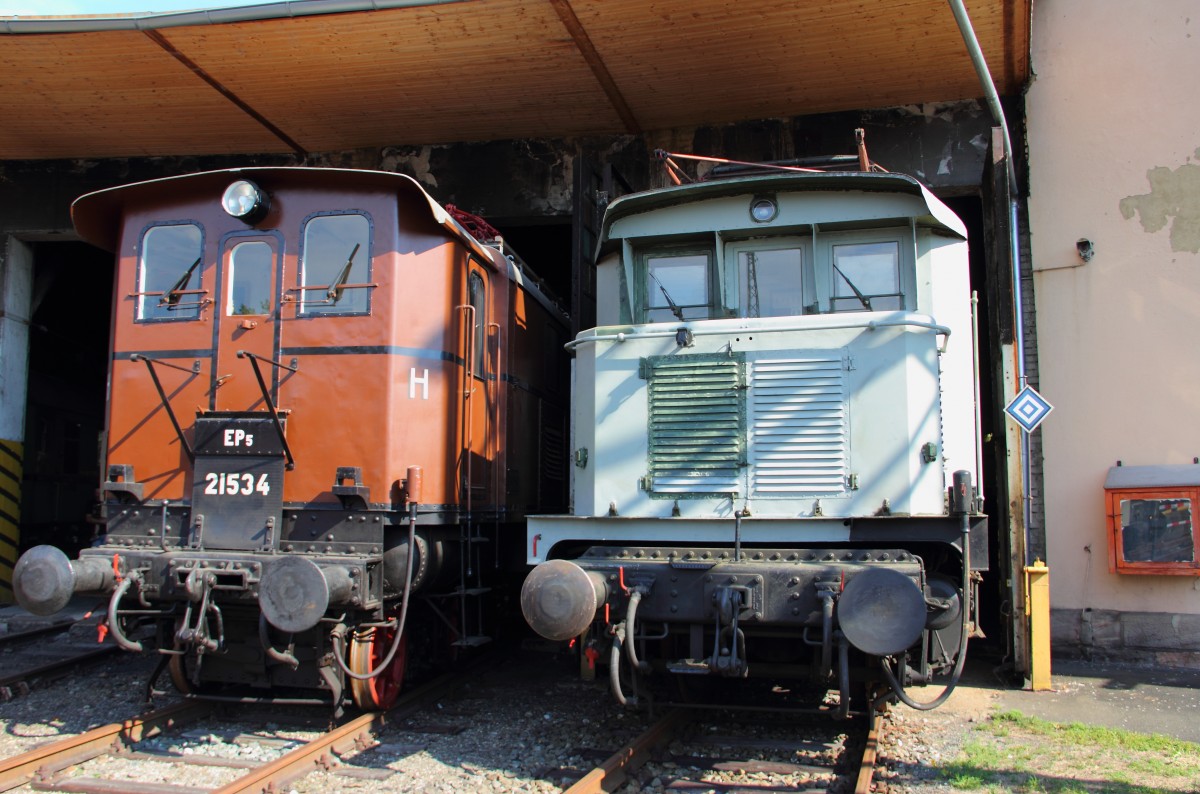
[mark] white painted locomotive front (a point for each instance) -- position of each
(836, 415)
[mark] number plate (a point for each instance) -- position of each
(240, 500)
(237, 435)
(232, 483)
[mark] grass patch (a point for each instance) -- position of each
(1013, 752)
(1077, 732)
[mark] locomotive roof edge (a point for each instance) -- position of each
(96, 215)
(938, 215)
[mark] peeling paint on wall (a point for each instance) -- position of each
(1174, 198)
(413, 160)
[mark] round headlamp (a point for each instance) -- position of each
(245, 201)
(763, 209)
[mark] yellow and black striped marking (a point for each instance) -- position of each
(11, 453)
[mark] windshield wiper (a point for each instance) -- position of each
(172, 296)
(675, 310)
(335, 291)
(863, 299)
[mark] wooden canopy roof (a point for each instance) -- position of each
(327, 75)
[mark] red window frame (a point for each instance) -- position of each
(1116, 557)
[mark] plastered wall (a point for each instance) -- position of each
(1114, 152)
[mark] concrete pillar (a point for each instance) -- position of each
(16, 283)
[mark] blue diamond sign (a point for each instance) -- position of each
(1029, 408)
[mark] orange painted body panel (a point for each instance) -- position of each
(274, 383)
(382, 391)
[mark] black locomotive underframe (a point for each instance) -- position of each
(773, 597)
(178, 576)
(683, 585)
(165, 542)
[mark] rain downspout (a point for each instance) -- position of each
(993, 101)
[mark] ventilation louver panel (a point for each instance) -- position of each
(798, 427)
(696, 425)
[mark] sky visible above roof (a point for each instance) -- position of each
(92, 7)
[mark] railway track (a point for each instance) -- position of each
(66, 765)
(516, 724)
(706, 752)
(32, 654)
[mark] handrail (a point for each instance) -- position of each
(494, 435)
(468, 437)
(266, 393)
(162, 396)
(869, 325)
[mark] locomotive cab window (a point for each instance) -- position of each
(865, 271)
(477, 298)
(866, 277)
(676, 285)
(249, 279)
(169, 273)
(772, 280)
(335, 265)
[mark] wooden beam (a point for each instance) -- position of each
(596, 63)
(171, 50)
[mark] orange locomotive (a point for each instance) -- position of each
(314, 372)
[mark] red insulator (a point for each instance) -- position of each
(479, 228)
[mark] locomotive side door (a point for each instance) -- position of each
(477, 346)
(247, 315)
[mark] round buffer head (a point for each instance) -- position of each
(43, 580)
(559, 599)
(293, 594)
(881, 611)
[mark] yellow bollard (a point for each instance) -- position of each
(1037, 611)
(10, 512)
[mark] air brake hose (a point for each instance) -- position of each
(896, 686)
(114, 620)
(843, 711)
(631, 640)
(264, 637)
(614, 667)
(339, 649)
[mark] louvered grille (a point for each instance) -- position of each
(552, 457)
(798, 427)
(696, 425)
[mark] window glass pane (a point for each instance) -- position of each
(250, 279)
(769, 282)
(477, 300)
(1157, 530)
(685, 279)
(168, 254)
(873, 269)
(329, 243)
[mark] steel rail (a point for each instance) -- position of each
(866, 769)
(612, 772)
(56, 664)
(355, 734)
(54, 628)
(23, 768)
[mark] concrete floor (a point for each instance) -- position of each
(1140, 699)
